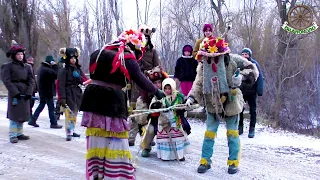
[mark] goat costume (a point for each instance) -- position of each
(217, 89)
(105, 107)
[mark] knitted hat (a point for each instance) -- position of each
(207, 26)
(187, 48)
(156, 74)
(15, 47)
(247, 50)
(49, 59)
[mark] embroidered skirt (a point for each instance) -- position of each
(108, 155)
(165, 149)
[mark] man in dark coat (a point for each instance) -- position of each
(47, 74)
(250, 92)
(30, 61)
(18, 79)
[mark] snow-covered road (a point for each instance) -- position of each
(270, 155)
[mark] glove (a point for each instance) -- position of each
(156, 105)
(18, 96)
(27, 97)
(63, 102)
(189, 102)
(159, 94)
(237, 80)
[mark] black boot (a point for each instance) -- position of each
(75, 135)
(55, 126)
(232, 169)
(34, 124)
(240, 128)
(69, 137)
(203, 168)
(251, 132)
(131, 143)
(23, 137)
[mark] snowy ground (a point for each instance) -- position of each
(270, 155)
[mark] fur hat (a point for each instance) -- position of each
(15, 47)
(247, 50)
(207, 26)
(146, 30)
(171, 82)
(68, 53)
(156, 74)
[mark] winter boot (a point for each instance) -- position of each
(69, 137)
(232, 169)
(131, 143)
(75, 135)
(182, 159)
(203, 168)
(55, 126)
(23, 137)
(34, 124)
(251, 132)
(145, 153)
(240, 128)
(14, 139)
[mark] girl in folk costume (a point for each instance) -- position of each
(69, 81)
(156, 75)
(217, 87)
(105, 106)
(172, 140)
(18, 79)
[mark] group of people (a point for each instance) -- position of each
(19, 78)
(126, 75)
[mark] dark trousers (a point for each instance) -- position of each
(32, 103)
(50, 104)
(251, 99)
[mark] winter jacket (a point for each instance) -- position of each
(18, 79)
(149, 60)
(186, 68)
(47, 74)
(69, 86)
(257, 87)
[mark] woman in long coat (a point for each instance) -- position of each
(18, 79)
(70, 78)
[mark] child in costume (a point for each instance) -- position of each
(156, 75)
(172, 142)
(105, 106)
(217, 87)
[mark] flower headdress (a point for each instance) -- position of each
(212, 45)
(131, 39)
